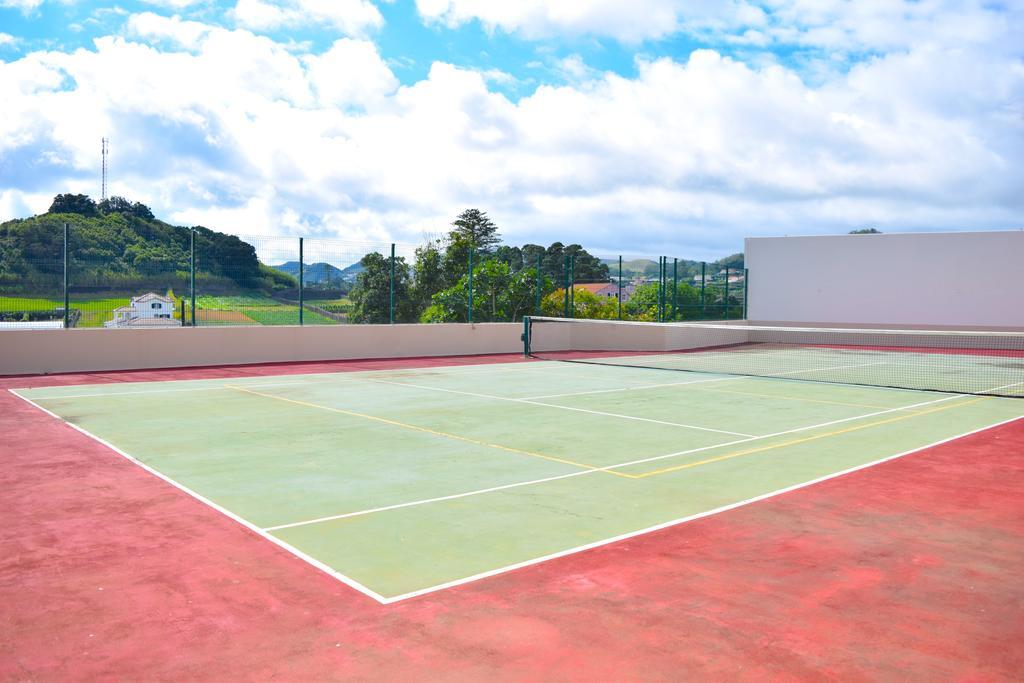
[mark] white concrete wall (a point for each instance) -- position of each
(48, 351)
(958, 280)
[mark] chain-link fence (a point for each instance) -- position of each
(68, 276)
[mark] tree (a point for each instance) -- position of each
(585, 304)
(455, 261)
(371, 297)
(115, 205)
(498, 295)
(475, 229)
(586, 268)
(428, 275)
(73, 203)
(123, 206)
(554, 263)
(866, 231)
(513, 256)
(643, 303)
(530, 253)
(472, 232)
(687, 302)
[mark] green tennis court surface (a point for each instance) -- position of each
(406, 481)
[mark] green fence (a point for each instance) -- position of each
(75, 277)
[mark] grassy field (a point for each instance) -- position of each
(260, 309)
(211, 310)
(95, 311)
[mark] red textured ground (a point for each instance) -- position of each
(911, 569)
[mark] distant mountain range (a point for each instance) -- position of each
(321, 273)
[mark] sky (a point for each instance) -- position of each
(644, 127)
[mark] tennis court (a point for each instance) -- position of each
(405, 481)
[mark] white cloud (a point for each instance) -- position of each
(538, 18)
(23, 5)
(235, 131)
(7, 39)
(352, 17)
(149, 26)
(175, 4)
(350, 73)
(825, 24)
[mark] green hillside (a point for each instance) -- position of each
(648, 268)
(120, 246)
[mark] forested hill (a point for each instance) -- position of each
(685, 268)
(117, 243)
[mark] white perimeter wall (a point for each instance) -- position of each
(47, 351)
(963, 279)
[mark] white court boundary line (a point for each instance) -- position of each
(681, 520)
(352, 583)
(348, 581)
(330, 377)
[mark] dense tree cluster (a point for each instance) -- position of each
(504, 277)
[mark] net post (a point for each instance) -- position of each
(726, 316)
(469, 313)
(391, 288)
(67, 298)
(675, 289)
(620, 287)
(301, 278)
(746, 290)
(192, 273)
(182, 306)
(526, 336)
(540, 285)
(703, 304)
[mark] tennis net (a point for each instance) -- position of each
(964, 362)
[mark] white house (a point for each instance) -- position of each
(148, 310)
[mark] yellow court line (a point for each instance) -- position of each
(434, 432)
(792, 398)
(793, 442)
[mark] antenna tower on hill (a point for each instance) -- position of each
(103, 189)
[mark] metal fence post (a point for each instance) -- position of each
(661, 287)
(469, 315)
(675, 288)
(726, 316)
(391, 288)
(572, 285)
(620, 287)
(565, 306)
(703, 302)
(192, 273)
(540, 285)
(746, 290)
(526, 336)
(67, 298)
(302, 277)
